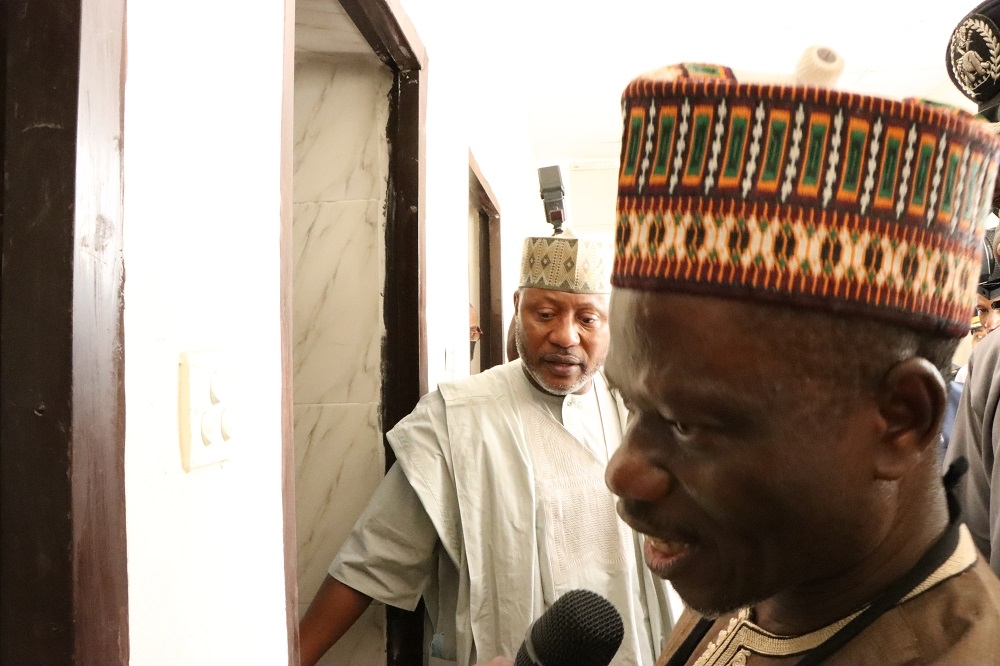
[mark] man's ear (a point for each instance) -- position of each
(517, 300)
(912, 404)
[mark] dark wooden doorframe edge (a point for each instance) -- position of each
(491, 290)
(485, 197)
(389, 33)
(392, 37)
(42, 64)
(285, 243)
(100, 598)
(63, 355)
(404, 347)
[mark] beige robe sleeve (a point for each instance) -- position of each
(390, 554)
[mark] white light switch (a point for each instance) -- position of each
(207, 408)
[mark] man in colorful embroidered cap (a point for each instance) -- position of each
(785, 470)
(497, 504)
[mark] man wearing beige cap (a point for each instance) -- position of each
(784, 470)
(497, 505)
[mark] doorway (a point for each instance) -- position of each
(355, 359)
(485, 291)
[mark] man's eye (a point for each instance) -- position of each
(681, 430)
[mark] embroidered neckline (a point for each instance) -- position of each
(741, 637)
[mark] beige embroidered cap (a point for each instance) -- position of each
(566, 263)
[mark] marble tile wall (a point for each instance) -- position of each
(341, 111)
(337, 302)
(339, 188)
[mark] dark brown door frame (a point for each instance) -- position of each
(482, 198)
(63, 577)
(385, 26)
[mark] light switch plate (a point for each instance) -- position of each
(207, 408)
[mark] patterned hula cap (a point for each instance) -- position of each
(566, 263)
(802, 196)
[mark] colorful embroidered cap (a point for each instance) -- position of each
(565, 263)
(973, 57)
(802, 196)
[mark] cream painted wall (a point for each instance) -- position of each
(592, 187)
(201, 171)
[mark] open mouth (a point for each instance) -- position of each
(563, 369)
(667, 557)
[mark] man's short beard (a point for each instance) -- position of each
(720, 611)
(724, 606)
(584, 380)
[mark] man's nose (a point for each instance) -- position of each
(564, 332)
(630, 475)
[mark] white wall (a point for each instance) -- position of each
(467, 109)
(591, 193)
(201, 249)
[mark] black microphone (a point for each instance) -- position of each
(580, 629)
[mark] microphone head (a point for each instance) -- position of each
(580, 629)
